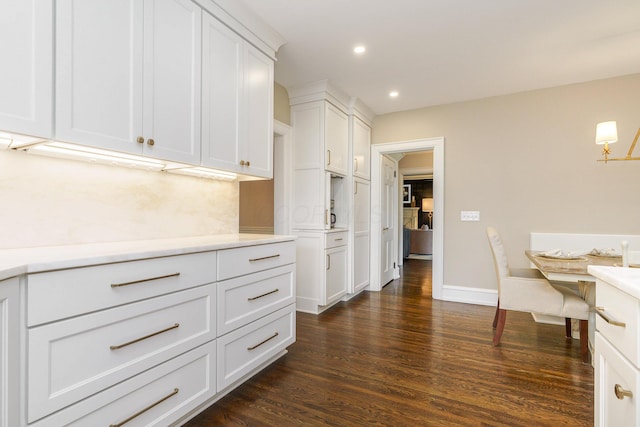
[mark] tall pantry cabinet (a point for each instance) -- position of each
(360, 233)
(331, 195)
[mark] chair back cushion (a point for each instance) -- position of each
(499, 256)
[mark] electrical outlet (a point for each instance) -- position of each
(469, 215)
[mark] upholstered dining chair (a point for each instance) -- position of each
(527, 290)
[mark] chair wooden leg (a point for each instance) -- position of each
(567, 327)
(495, 318)
(584, 341)
(502, 316)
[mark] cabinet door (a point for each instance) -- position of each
(361, 137)
(613, 371)
(9, 353)
(336, 139)
(26, 76)
(221, 87)
(99, 73)
(361, 248)
(172, 84)
(336, 275)
(257, 126)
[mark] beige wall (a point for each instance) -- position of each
(49, 201)
(422, 160)
(281, 110)
(527, 162)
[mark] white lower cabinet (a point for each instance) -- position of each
(616, 357)
(147, 348)
(121, 342)
(9, 352)
(154, 398)
(322, 269)
(243, 350)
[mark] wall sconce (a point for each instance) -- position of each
(607, 133)
(427, 206)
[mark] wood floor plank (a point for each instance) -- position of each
(397, 357)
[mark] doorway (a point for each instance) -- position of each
(378, 151)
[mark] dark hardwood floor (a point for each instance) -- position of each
(399, 358)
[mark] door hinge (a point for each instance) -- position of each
(394, 174)
(394, 265)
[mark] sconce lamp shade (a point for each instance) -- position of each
(427, 205)
(606, 133)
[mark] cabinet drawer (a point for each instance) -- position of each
(613, 370)
(192, 374)
(247, 298)
(71, 359)
(60, 294)
(333, 240)
(618, 306)
(240, 261)
(244, 349)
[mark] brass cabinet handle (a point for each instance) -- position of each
(326, 217)
(119, 346)
(607, 318)
(337, 240)
(241, 162)
(356, 189)
(328, 262)
(142, 411)
(248, 163)
(264, 257)
(140, 140)
(133, 282)
(385, 228)
(150, 141)
(253, 347)
(622, 393)
(263, 295)
(355, 169)
(328, 157)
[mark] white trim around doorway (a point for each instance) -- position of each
(379, 150)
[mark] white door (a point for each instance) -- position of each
(99, 73)
(387, 203)
(172, 71)
(26, 74)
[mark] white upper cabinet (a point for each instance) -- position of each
(361, 138)
(26, 75)
(336, 139)
(128, 76)
(237, 103)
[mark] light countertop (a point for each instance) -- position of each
(625, 279)
(14, 262)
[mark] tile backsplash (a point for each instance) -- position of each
(46, 201)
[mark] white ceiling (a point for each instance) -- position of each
(442, 51)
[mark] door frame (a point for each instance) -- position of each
(377, 151)
(282, 173)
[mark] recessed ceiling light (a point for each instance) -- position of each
(359, 49)
(393, 94)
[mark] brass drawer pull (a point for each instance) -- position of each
(117, 285)
(610, 320)
(337, 240)
(263, 295)
(253, 347)
(622, 393)
(121, 423)
(264, 257)
(119, 346)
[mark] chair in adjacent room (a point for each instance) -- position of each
(527, 290)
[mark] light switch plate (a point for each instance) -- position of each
(469, 215)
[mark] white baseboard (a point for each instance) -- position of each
(479, 296)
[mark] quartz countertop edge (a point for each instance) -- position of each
(14, 262)
(625, 279)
